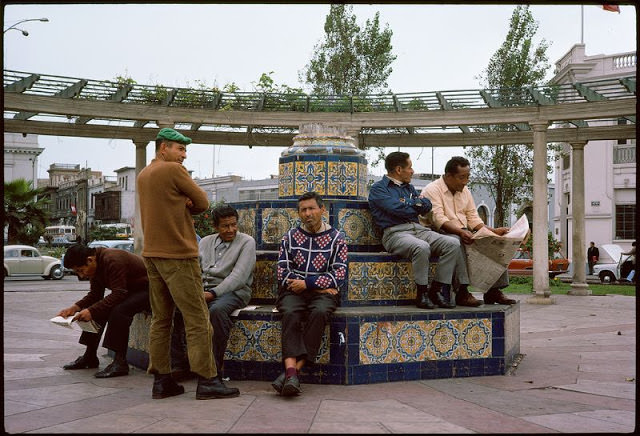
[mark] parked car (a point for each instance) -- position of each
(61, 241)
(613, 265)
(24, 260)
(522, 264)
(122, 244)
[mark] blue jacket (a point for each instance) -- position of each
(391, 204)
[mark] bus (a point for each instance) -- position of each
(67, 232)
(123, 230)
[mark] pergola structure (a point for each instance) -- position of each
(573, 113)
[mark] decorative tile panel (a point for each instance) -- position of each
(362, 180)
(417, 341)
(310, 176)
(265, 285)
(285, 180)
(381, 281)
(260, 341)
(247, 221)
(358, 227)
(342, 178)
(276, 222)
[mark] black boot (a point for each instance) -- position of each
(164, 386)
(214, 388)
(422, 298)
(436, 297)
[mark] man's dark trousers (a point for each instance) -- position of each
(118, 323)
(304, 317)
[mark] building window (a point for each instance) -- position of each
(482, 213)
(625, 221)
(622, 121)
(566, 161)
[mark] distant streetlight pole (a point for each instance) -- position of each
(24, 32)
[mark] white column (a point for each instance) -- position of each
(578, 258)
(540, 216)
(141, 162)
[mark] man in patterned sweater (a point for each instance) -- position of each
(312, 268)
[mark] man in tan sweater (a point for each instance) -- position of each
(168, 199)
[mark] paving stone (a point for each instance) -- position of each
(578, 423)
(616, 390)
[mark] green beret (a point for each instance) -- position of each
(173, 135)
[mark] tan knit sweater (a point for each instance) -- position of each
(164, 188)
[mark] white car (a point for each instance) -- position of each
(24, 260)
(122, 244)
(609, 267)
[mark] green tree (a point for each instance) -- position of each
(508, 169)
(350, 60)
(25, 212)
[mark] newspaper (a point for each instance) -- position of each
(87, 326)
(489, 255)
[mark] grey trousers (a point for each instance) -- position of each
(417, 243)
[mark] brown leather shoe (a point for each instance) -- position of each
(464, 298)
(495, 295)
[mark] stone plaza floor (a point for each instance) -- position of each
(577, 375)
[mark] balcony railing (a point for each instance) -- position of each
(623, 154)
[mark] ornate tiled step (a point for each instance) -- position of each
(372, 344)
(373, 279)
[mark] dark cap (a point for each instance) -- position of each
(172, 135)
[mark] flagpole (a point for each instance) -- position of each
(581, 24)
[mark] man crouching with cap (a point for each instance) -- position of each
(168, 199)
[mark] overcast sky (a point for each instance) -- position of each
(438, 48)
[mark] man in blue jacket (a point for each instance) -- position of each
(395, 205)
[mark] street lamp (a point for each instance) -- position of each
(24, 32)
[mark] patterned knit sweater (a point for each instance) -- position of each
(320, 259)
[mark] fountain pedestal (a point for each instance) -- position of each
(377, 334)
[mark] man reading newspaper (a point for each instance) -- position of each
(454, 212)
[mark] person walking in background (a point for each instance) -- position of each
(312, 269)
(168, 199)
(632, 253)
(125, 275)
(593, 254)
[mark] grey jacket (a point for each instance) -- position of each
(234, 271)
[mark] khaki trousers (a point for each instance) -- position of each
(178, 282)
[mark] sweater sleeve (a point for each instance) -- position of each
(285, 263)
(194, 192)
(242, 269)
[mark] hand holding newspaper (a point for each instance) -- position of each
(489, 255)
(87, 326)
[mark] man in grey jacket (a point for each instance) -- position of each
(227, 260)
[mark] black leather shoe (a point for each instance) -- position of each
(165, 386)
(115, 369)
(278, 383)
(214, 388)
(495, 295)
(83, 362)
(439, 301)
(423, 302)
(291, 387)
(436, 297)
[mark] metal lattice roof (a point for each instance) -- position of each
(106, 90)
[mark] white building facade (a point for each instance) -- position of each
(609, 166)
(21, 157)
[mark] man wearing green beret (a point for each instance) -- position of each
(168, 198)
